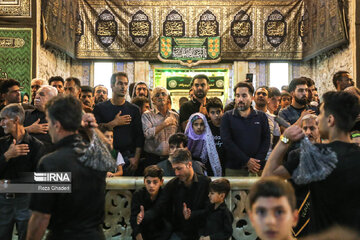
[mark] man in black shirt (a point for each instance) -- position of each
(299, 91)
(335, 198)
(200, 85)
(35, 122)
(125, 119)
(19, 153)
(187, 189)
(79, 214)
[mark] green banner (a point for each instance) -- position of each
(16, 55)
(194, 49)
(183, 83)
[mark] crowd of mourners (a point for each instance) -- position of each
(290, 133)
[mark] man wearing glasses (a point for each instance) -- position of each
(158, 125)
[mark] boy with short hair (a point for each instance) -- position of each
(218, 218)
(109, 135)
(285, 100)
(272, 209)
(143, 200)
(215, 111)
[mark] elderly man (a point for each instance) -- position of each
(100, 93)
(35, 121)
(19, 153)
(36, 83)
(158, 125)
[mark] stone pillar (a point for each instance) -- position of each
(141, 71)
(241, 68)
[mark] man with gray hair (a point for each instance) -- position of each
(158, 125)
(36, 83)
(19, 153)
(35, 120)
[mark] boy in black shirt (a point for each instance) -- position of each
(215, 112)
(218, 218)
(144, 199)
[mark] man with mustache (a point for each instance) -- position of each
(245, 134)
(87, 98)
(298, 108)
(158, 125)
(200, 86)
(100, 93)
(35, 121)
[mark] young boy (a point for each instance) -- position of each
(143, 200)
(272, 209)
(218, 218)
(285, 100)
(109, 135)
(215, 112)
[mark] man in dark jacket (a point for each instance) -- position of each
(245, 134)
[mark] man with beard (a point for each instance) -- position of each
(35, 120)
(141, 90)
(10, 92)
(100, 93)
(125, 119)
(87, 98)
(186, 191)
(245, 134)
(298, 108)
(341, 182)
(73, 87)
(200, 85)
(342, 80)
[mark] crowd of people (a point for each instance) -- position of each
(67, 127)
